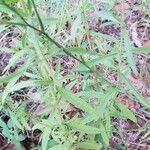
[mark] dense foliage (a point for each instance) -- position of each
(64, 79)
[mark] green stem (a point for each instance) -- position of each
(98, 74)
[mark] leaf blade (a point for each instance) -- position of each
(128, 51)
(76, 101)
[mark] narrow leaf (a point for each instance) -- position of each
(7, 78)
(99, 60)
(76, 101)
(14, 59)
(107, 15)
(45, 138)
(76, 50)
(29, 83)
(104, 135)
(128, 51)
(89, 145)
(145, 49)
(57, 147)
(137, 95)
(76, 124)
(125, 112)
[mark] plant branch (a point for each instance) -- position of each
(42, 32)
(50, 39)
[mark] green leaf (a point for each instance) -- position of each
(24, 123)
(8, 89)
(57, 147)
(104, 36)
(129, 53)
(102, 107)
(99, 60)
(145, 49)
(108, 124)
(92, 94)
(11, 87)
(137, 95)
(104, 135)
(14, 59)
(20, 137)
(32, 75)
(107, 15)
(52, 143)
(11, 1)
(5, 129)
(29, 5)
(28, 83)
(45, 138)
(77, 125)
(39, 126)
(76, 101)
(125, 112)
(19, 72)
(76, 50)
(43, 124)
(24, 40)
(15, 120)
(92, 145)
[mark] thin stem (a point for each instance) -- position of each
(38, 16)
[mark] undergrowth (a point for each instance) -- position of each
(77, 107)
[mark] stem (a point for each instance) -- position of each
(98, 74)
(38, 16)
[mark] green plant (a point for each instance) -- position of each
(90, 127)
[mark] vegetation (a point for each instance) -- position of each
(62, 84)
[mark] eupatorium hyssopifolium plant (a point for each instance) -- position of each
(69, 120)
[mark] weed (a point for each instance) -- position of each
(78, 107)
